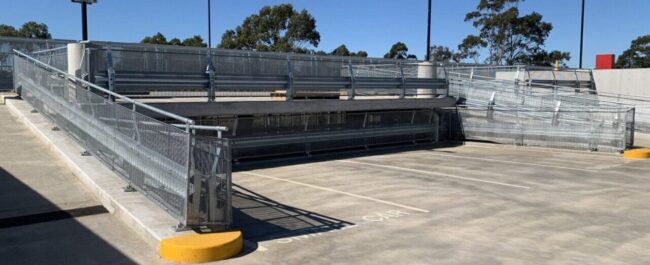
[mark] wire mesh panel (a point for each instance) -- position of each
(209, 200)
(256, 136)
(7, 44)
(196, 72)
(594, 130)
(151, 155)
(515, 110)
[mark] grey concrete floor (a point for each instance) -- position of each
(472, 204)
(35, 190)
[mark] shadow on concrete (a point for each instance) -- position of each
(261, 219)
(35, 231)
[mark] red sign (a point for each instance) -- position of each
(605, 61)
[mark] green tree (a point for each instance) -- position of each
(279, 28)
(508, 37)
(440, 54)
(544, 58)
(31, 29)
(363, 54)
(341, 51)
(175, 42)
(158, 38)
(8, 31)
(469, 49)
(637, 56)
(34, 30)
(194, 41)
(399, 50)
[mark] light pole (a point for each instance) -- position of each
(428, 57)
(209, 26)
(582, 31)
(84, 17)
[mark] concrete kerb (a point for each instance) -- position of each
(148, 220)
(6, 95)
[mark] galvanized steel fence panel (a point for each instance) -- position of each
(184, 71)
(513, 112)
(153, 156)
(8, 44)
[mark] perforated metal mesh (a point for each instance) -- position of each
(516, 112)
(153, 156)
(7, 44)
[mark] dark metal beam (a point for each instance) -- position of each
(84, 21)
(582, 31)
(428, 57)
(209, 26)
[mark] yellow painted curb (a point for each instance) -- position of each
(197, 248)
(641, 153)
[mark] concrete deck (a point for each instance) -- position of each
(47, 216)
(473, 204)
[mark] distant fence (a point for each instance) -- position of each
(576, 83)
(182, 71)
(583, 129)
(512, 112)
(187, 175)
(8, 44)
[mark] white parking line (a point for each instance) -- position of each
(435, 174)
(512, 162)
(537, 149)
(338, 191)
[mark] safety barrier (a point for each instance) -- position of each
(524, 114)
(158, 70)
(187, 175)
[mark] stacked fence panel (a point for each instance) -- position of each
(512, 111)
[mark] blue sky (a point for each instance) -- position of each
(370, 25)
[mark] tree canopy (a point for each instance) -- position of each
(31, 29)
(399, 50)
(508, 37)
(343, 51)
(194, 41)
(637, 56)
(159, 38)
(441, 54)
(279, 28)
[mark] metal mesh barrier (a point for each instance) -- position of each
(210, 183)
(155, 70)
(288, 134)
(151, 155)
(8, 44)
(577, 83)
(544, 115)
(602, 130)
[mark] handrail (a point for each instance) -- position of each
(521, 66)
(569, 89)
(203, 127)
(50, 50)
(127, 99)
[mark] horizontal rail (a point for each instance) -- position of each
(86, 83)
(50, 50)
(203, 127)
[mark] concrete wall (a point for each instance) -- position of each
(633, 82)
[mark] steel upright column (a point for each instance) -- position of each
(429, 33)
(582, 31)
